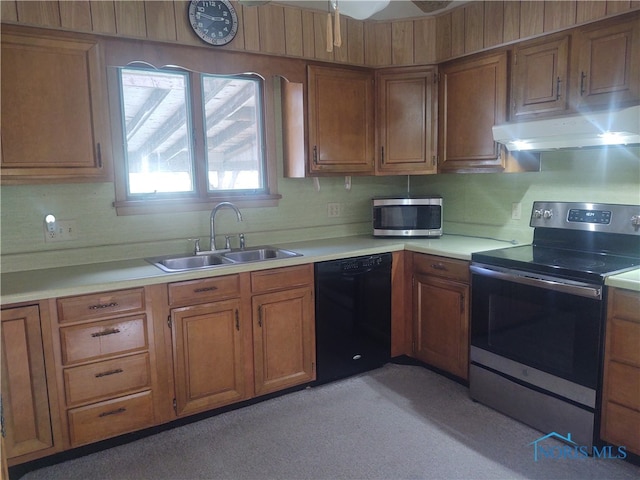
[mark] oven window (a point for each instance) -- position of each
(555, 332)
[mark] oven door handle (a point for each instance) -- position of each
(558, 285)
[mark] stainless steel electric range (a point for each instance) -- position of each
(538, 315)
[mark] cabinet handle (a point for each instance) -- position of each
(315, 154)
(382, 155)
(103, 305)
(110, 372)
(260, 316)
(99, 154)
(582, 77)
(433, 160)
(237, 320)
(438, 266)
(558, 82)
(113, 412)
(462, 304)
(108, 331)
(205, 289)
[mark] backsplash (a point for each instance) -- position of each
(474, 204)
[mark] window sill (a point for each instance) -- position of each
(143, 207)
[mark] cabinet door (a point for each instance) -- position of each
(407, 122)
(473, 98)
(540, 74)
(341, 121)
(608, 65)
(283, 339)
(24, 385)
(53, 117)
(441, 324)
(208, 356)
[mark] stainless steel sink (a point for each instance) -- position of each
(182, 262)
(172, 263)
(256, 254)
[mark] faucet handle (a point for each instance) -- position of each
(227, 241)
(242, 242)
(196, 245)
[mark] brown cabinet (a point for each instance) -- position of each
(472, 98)
(207, 328)
(540, 77)
(106, 364)
(406, 121)
(441, 313)
(283, 328)
(621, 385)
(607, 64)
(25, 399)
(54, 119)
(340, 115)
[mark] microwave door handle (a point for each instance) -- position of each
(573, 288)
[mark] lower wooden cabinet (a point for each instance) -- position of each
(621, 386)
(441, 313)
(25, 399)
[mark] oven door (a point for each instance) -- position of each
(551, 325)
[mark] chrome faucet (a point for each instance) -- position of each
(212, 239)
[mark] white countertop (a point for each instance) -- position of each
(90, 278)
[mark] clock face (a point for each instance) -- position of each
(214, 21)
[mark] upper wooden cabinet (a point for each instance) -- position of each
(54, 120)
(540, 77)
(473, 98)
(406, 121)
(607, 64)
(340, 117)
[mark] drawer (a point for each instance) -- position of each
(108, 419)
(205, 290)
(623, 341)
(625, 304)
(279, 278)
(98, 381)
(621, 426)
(623, 385)
(100, 339)
(442, 267)
(100, 305)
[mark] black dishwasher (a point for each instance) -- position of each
(353, 316)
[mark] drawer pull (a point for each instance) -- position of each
(438, 266)
(113, 412)
(108, 331)
(103, 305)
(110, 372)
(205, 289)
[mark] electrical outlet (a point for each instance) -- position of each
(65, 230)
(516, 211)
(334, 209)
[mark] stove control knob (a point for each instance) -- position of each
(548, 214)
(537, 213)
(635, 221)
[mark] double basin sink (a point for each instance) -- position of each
(181, 263)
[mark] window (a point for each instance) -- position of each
(194, 138)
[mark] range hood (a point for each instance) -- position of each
(594, 129)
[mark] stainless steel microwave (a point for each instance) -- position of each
(407, 217)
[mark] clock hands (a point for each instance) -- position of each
(214, 19)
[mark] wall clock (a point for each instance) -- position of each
(213, 21)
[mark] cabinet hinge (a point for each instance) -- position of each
(313, 367)
(175, 406)
(169, 321)
(3, 432)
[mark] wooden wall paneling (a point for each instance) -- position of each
(8, 11)
(615, 6)
(511, 25)
(473, 27)
(75, 16)
(160, 20)
(443, 36)
(308, 37)
(251, 29)
(531, 18)
(586, 11)
(355, 41)
(402, 43)
(130, 19)
(103, 17)
(341, 54)
(377, 44)
(41, 13)
(558, 15)
(424, 41)
(320, 36)
(272, 32)
(238, 42)
(457, 32)
(493, 23)
(293, 31)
